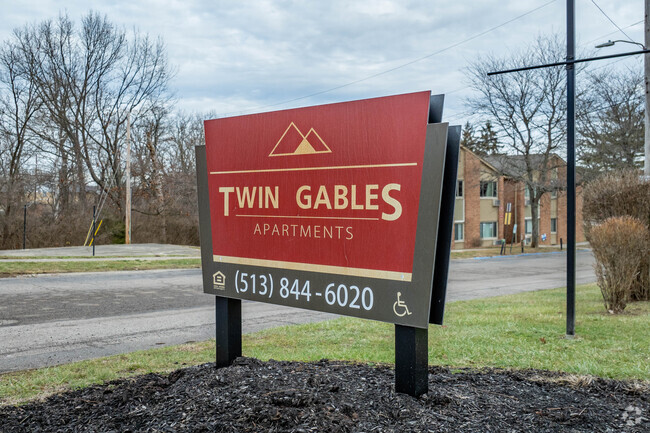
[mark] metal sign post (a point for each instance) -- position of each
(24, 227)
(94, 225)
(334, 208)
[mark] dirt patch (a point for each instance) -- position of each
(326, 396)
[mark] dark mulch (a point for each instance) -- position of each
(254, 396)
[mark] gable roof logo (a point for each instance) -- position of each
(294, 142)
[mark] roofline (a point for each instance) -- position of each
(479, 158)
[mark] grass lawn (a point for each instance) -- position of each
(10, 269)
(519, 331)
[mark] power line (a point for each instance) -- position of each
(463, 113)
(611, 20)
(419, 59)
(611, 33)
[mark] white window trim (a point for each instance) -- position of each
(496, 226)
(526, 219)
(456, 192)
(496, 189)
(463, 238)
(526, 193)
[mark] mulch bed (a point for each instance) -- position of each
(327, 396)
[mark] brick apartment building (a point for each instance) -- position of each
(482, 197)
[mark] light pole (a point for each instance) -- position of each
(571, 187)
(571, 171)
(25, 224)
(646, 73)
(127, 221)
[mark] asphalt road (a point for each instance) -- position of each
(53, 319)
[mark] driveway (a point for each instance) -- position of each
(53, 319)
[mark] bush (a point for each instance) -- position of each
(619, 194)
(619, 245)
(616, 194)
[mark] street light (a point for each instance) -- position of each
(611, 43)
(646, 68)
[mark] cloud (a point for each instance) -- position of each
(242, 56)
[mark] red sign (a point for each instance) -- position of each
(332, 189)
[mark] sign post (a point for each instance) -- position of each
(334, 208)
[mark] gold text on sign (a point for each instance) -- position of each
(337, 197)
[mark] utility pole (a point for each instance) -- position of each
(571, 172)
(646, 69)
(127, 221)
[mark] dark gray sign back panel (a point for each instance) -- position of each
(205, 230)
(446, 227)
(436, 105)
(399, 302)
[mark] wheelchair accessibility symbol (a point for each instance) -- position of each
(400, 306)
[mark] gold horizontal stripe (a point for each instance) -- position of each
(293, 154)
(339, 270)
(309, 217)
(339, 167)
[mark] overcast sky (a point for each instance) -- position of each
(240, 57)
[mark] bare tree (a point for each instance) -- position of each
(528, 112)
(18, 103)
(66, 91)
(165, 175)
(51, 58)
(151, 134)
(88, 81)
(186, 132)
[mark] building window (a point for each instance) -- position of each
(459, 229)
(459, 188)
(488, 189)
(553, 225)
(528, 226)
(554, 193)
(527, 193)
(489, 230)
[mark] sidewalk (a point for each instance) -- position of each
(108, 252)
(137, 252)
(578, 245)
